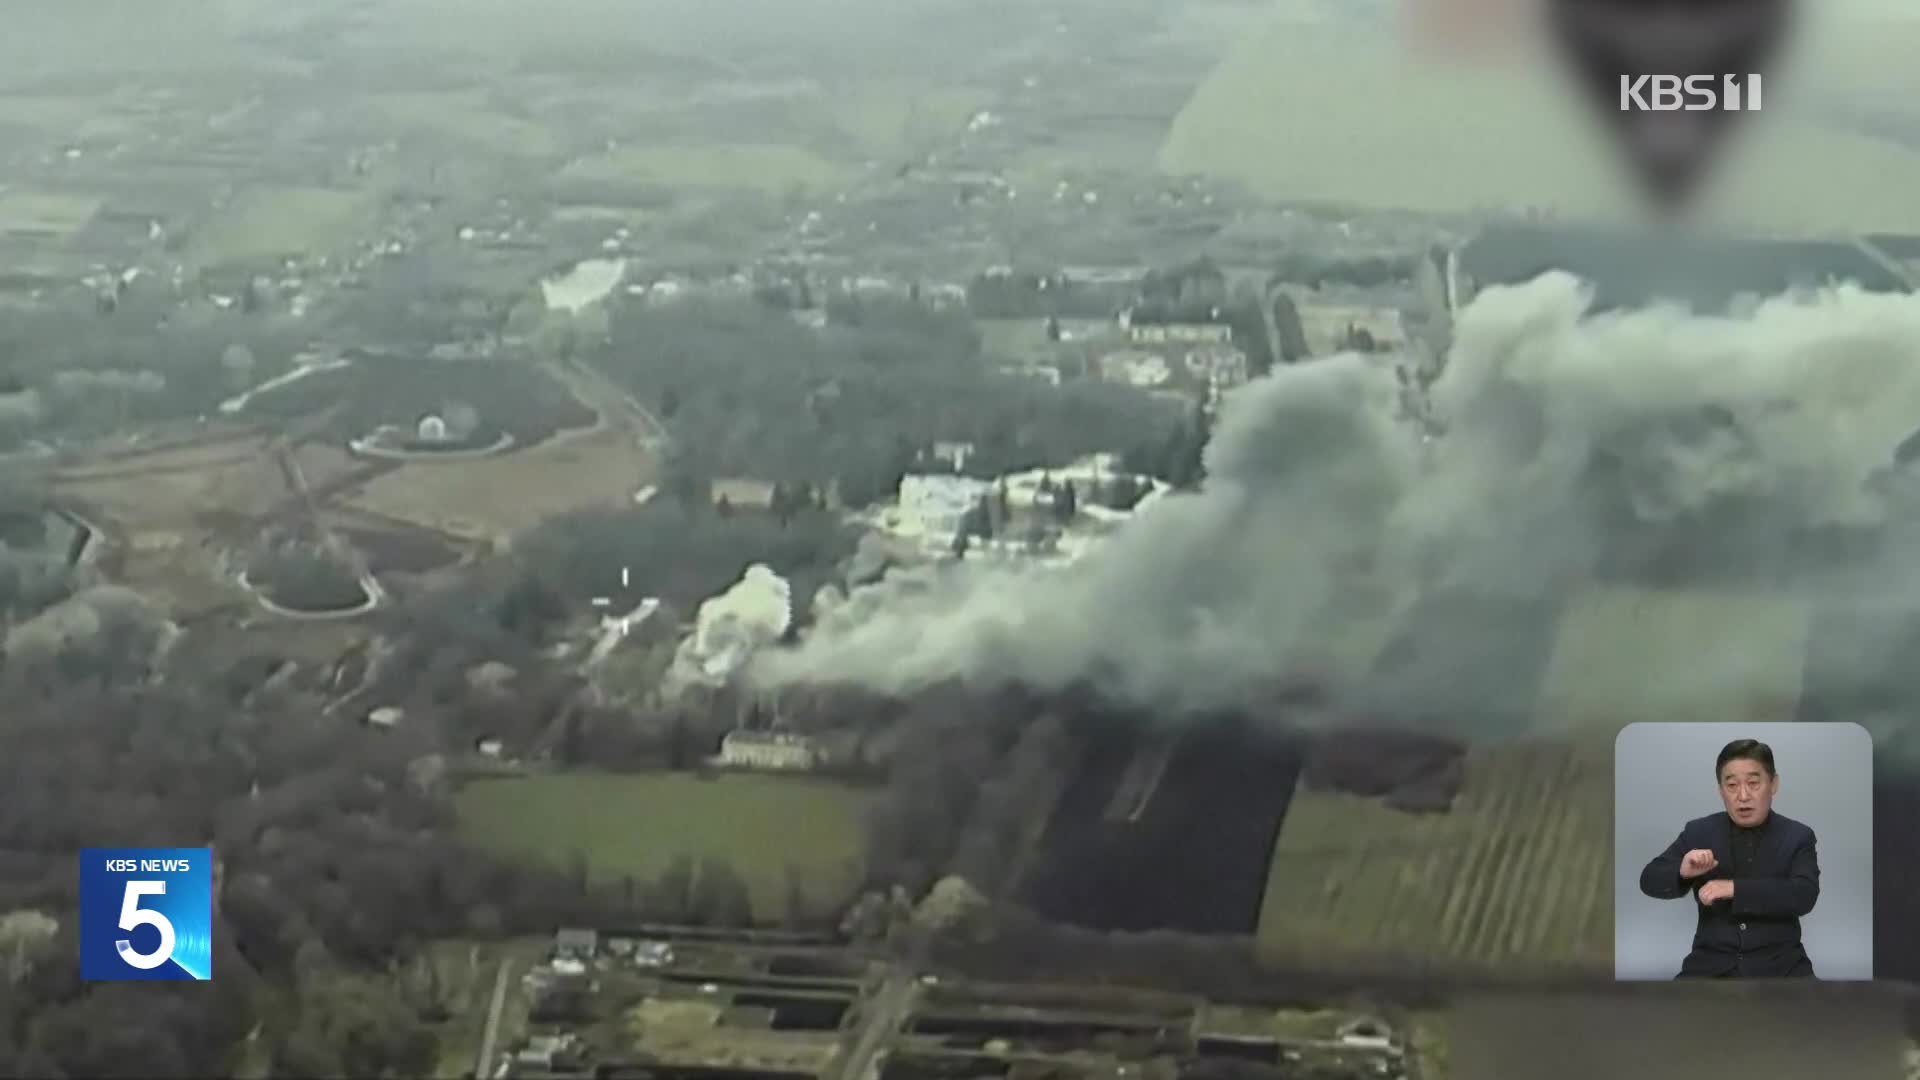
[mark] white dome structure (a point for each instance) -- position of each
(432, 429)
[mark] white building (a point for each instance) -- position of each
(1046, 373)
(783, 751)
(953, 453)
(930, 508)
(1135, 368)
(1025, 489)
(1222, 366)
(1176, 333)
(1328, 326)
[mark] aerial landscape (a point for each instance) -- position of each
(775, 539)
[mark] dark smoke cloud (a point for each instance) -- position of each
(1654, 444)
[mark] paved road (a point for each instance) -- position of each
(606, 396)
(483, 1066)
(882, 1016)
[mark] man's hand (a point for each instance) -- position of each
(1697, 862)
(1715, 891)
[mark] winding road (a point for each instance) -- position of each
(592, 386)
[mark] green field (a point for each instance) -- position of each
(887, 120)
(771, 168)
(1516, 874)
(638, 824)
(44, 211)
(267, 223)
(116, 42)
(465, 116)
(76, 117)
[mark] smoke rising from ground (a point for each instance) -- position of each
(1698, 451)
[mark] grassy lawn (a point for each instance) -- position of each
(44, 211)
(888, 120)
(480, 498)
(275, 222)
(638, 824)
(464, 116)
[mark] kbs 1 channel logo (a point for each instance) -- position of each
(146, 913)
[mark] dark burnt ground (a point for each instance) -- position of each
(1188, 852)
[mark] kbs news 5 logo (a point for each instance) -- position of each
(146, 913)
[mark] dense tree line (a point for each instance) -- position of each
(34, 571)
(336, 844)
(1366, 271)
(435, 292)
(77, 369)
(147, 351)
(304, 577)
(684, 552)
(321, 857)
(338, 864)
(1178, 457)
(1198, 292)
(754, 393)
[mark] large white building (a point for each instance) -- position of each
(931, 507)
(783, 751)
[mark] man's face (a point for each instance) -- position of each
(1747, 791)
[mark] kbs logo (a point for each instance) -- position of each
(146, 913)
(1695, 93)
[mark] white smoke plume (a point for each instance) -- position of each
(1575, 445)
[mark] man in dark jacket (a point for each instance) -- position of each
(1753, 873)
